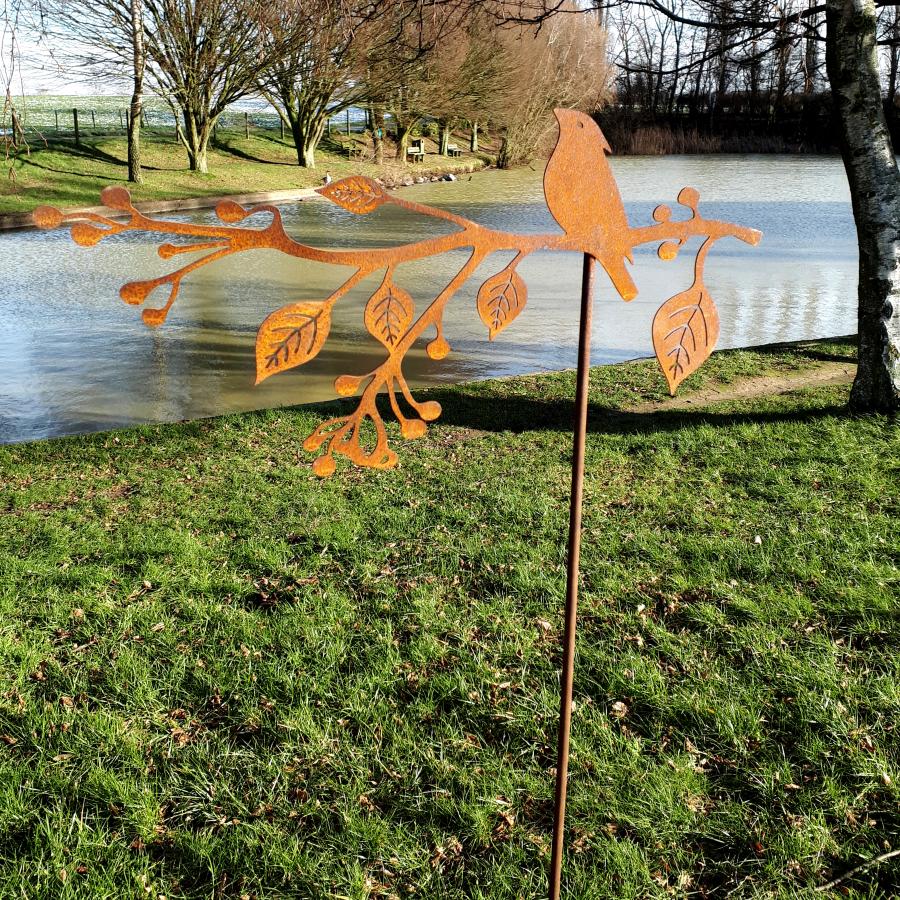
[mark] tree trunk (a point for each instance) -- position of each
(875, 190)
(134, 121)
(810, 59)
(197, 159)
(307, 154)
(196, 141)
(724, 38)
(299, 139)
(444, 138)
(695, 96)
(894, 65)
(135, 174)
(306, 132)
(18, 133)
(378, 132)
(404, 130)
(506, 154)
(473, 140)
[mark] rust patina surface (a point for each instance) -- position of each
(582, 195)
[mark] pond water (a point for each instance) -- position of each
(74, 358)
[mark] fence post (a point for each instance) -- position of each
(75, 120)
(348, 120)
(246, 125)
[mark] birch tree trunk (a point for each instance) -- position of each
(871, 167)
(134, 117)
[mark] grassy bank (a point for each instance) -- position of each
(222, 677)
(60, 174)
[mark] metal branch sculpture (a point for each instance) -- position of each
(583, 198)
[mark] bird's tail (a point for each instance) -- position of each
(620, 277)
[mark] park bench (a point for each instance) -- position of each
(453, 150)
(355, 150)
(416, 150)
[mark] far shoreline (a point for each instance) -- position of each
(23, 221)
(255, 169)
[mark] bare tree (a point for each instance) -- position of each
(200, 55)
(704, 61)
(850, 34)
(327, 55)
(416, 69)
(317, 73)
(851, 60)
(101, 40)
(11, 128)
(466, 70)
(203, 55)
(468, 74)
(563, 64)
(889, 39)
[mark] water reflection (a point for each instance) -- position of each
(74, 358)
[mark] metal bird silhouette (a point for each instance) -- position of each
(584, 198)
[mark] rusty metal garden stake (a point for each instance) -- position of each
(583, 198)
(572, 569)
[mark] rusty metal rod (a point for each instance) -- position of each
(572, 568)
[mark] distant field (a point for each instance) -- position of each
(49, 113)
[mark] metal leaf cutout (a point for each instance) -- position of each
(685, 330)
(500, 299)
(389, 312)
(291, 336)
(356, 194)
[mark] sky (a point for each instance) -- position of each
(39, 73)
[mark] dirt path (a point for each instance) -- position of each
(822, 374)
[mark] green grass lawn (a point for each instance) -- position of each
(225, 678)
(60, 174)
